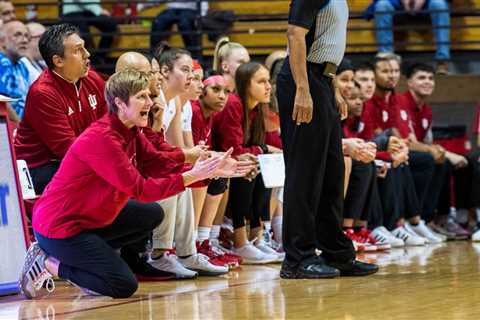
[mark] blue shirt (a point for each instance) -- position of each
(14, 83)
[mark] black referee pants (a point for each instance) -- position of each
(313, 198)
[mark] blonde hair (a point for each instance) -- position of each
(223, 49)
(123, 85)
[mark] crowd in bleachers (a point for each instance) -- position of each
(397, 177)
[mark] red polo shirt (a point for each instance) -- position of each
(56, 113)
(353, 127)
(105, 166)
(420, 117)
(228, 128)
(382, 114)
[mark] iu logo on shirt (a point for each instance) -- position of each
(92, 99)
(385, 116)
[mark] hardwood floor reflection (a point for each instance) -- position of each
(433, 282)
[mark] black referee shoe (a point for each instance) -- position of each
(311, 268)
(355, 268)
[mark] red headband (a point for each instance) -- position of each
(213, 80)
(196, 65)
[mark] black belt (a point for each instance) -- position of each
(326, 69)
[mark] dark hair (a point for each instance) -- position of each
(365, 66)
(417, 67)
(253, 133)
(357, 85)
(345, 65)
(166, 55)
(51, 42)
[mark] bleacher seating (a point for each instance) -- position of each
(261, 27)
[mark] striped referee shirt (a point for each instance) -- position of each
(326, 21)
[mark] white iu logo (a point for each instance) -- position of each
(92, 99)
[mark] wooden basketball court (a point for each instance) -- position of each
(433, 282)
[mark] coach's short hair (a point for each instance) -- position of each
(123, 85)
(51, 42)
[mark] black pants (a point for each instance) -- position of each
(249, 200)
(41, 176)
(89, 259)
(359, 191)
(440, 180)
(398, 196)
(313, 190)
(106, 24)
(186, 21)
(422, 166)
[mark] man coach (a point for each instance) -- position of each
(311, 134)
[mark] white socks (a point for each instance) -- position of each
(215, 232)
(203, 233)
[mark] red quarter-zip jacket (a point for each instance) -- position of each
(56, 113)
(104, 167)
(228, 129)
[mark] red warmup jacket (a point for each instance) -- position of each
(201, 127)
(56, 113)
(105, 166)
(228, 130)
(157, 139)
(420, 119)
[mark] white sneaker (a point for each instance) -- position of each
(410, 239)
(199, 263)
(262, 246)
(476, 236)
(381, 233)
(251, 255)
(34, 274)
(423, 231)
(169, 263)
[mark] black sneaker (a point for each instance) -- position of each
(311, 268)
(355, 268)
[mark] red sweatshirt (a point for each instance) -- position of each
(228, 128)
(56, 113)
(157, 139)
(201, 127)
(105, 166)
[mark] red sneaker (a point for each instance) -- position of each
(213, 257)
(359, 243)
(233, 259)
(365, 234)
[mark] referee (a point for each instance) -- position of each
(311, 134)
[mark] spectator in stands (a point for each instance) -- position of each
(7, 11)
(14, 38)
(384, 11)
(33, 60)
(110, 164)
(185, 15)
(60, 105)
(86, 13)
